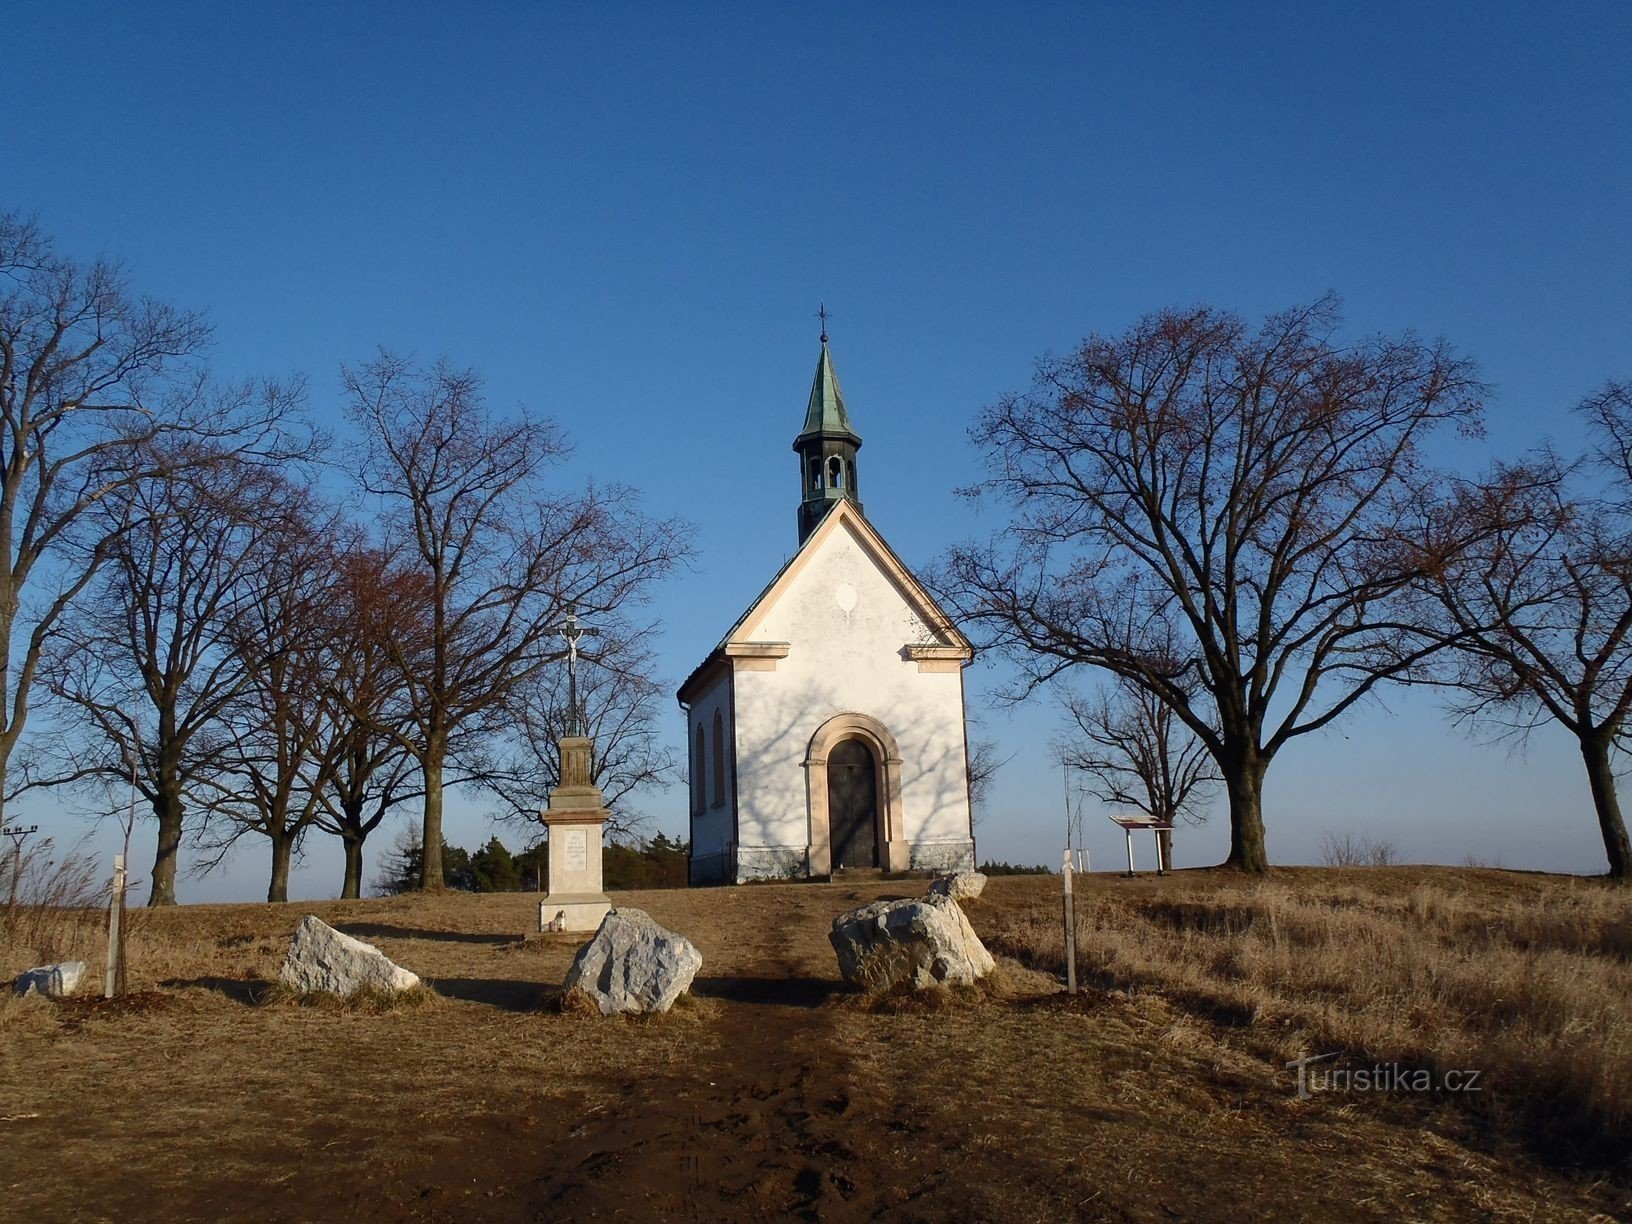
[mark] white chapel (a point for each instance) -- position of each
(826, 730)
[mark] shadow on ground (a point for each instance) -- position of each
(377, 930)
(251, 992)
(776, 992)
(506, 994)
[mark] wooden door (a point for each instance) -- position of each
(852, 805)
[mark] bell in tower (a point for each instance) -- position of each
(826, 447)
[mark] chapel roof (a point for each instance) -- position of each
(842, 513)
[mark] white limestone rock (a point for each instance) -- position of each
(52, 981)
(633, 965)
(960, 886)
(324, 960)
(909, 943)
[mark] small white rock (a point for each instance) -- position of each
(322, 959)
(960, 886)
(53, 981)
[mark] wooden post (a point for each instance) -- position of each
(116, 942)
(16, 878)
(1070, 930)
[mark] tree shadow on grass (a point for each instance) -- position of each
(775, 992)
(506, 994)
(509, 995)
(251, 992)
(377, 930)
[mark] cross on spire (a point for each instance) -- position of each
(824, 316)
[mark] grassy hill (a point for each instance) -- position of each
(1157, 1093)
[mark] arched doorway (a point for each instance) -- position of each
(884, 757)
(852, 804)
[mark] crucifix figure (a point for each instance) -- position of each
(572, 631)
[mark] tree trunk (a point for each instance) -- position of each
(430, 855)
(167, 808)
(1617, 849)
(352, 888)
(1165, 837)
(278, 889)
(1244, 781)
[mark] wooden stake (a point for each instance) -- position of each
(116, 943)
(1070, 930)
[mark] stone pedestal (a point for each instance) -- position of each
(575, 817)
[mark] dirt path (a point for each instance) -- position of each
(773, 1118)
(755, 1127)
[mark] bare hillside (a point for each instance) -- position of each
(1158, 1093)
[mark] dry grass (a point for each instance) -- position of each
(1525, 979)
(1157, 1094)
(578, 1003)
(369, 1001)
(49, 906)
(1010, 982)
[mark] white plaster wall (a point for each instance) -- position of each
(711, 824)
(847, 661)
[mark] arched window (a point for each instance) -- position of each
(719, 760)
(815, 475)
(850, 475)
(698, 794)
(835, 473)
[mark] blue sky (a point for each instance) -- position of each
(625, 216)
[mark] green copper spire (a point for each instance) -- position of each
(825, 413)
(826, 446)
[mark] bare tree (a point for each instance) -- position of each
(277, 758)
(144, 664)
(620, 695)
(466, 507)
(1137, 753)
(97, 386)
(983, 766)
(1215, 514)
(1351, 851)
(377, 614)
(1540, 612)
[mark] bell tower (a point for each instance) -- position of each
(826, 447)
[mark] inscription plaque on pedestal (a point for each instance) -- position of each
(577, 849)
(574, 900)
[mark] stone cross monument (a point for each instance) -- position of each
(575, 816)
